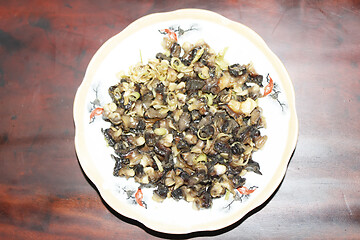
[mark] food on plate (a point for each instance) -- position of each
(186, 123)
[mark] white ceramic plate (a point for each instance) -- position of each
(143, 37)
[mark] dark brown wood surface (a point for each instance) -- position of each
(45, 47)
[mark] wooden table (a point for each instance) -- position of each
(45, 47)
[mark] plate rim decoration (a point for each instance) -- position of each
(79, 111)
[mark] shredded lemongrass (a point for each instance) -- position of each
(220, 61)
(244, 162)
(176, 63)
(158, 163)
(227, 194)
(204, 73)
(141, 59)
(134, 96)
(198, 55)
(221, 135)
(201, 158)
(201, 138)
(210, 98)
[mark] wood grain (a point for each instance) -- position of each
(45, 47)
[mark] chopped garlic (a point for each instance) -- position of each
(160, 131)
(235, 106)
(140, 141)
(248, 106)
(219, 169)
(158, 164)
(245, 107)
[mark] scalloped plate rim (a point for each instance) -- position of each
(78, 108)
